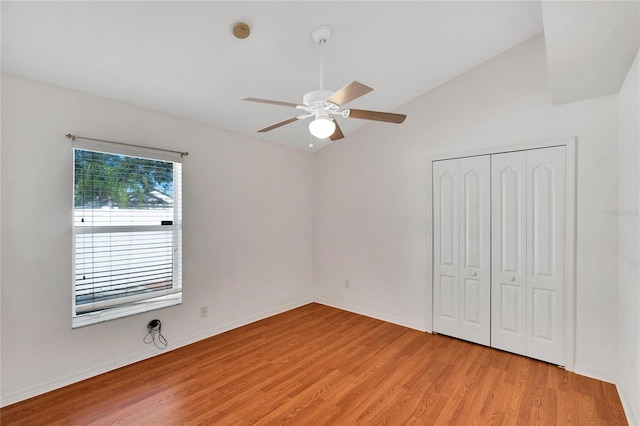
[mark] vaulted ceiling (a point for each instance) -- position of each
(181, 58)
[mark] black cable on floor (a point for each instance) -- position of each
(154, 335)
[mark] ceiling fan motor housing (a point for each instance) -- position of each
(316, 98)
(316, 103)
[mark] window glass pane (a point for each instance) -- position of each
(118, 190)
(127, 232)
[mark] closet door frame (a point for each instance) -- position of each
(570, 230)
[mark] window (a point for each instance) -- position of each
(127, 229)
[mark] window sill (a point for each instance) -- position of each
(82, 320)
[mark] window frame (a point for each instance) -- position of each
(143, 302)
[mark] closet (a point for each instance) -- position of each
(499, 250)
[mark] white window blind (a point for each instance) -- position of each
(127, 235)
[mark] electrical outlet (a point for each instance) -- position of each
(346, 284)
(203, 312)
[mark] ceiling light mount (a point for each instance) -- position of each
(321, 34)
(241, 30)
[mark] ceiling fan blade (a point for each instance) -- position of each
(388, 117)
(268, 101)
(349, 92)
(338, 132)
(275, 126)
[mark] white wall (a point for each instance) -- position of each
(248, 229)
(629, 233)
(256, 238)
(371, 207)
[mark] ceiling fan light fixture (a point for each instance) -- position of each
(322, 104)
(322, 127)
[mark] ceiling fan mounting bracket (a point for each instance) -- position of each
(321, 34)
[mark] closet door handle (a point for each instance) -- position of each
(473, 273)
(512, 278)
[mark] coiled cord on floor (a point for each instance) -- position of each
(154, 335)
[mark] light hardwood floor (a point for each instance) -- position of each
(319, 365)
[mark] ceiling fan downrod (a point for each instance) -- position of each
(320, 35)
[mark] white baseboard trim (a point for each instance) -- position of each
(373, 314)
(142, 355)
(588, 371)
(627, 405)
(21, 395)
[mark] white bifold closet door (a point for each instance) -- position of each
(528, 246)
(462, 248)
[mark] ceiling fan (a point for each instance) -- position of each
(324, 104)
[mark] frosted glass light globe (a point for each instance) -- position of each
(322, 127)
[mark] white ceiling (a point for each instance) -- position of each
(182, 59)
(590, 46)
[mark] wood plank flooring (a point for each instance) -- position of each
(318, 365)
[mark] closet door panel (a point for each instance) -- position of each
(545, 253)
(446, 247)
(475, 249)
(508, 248)
(499, 251)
